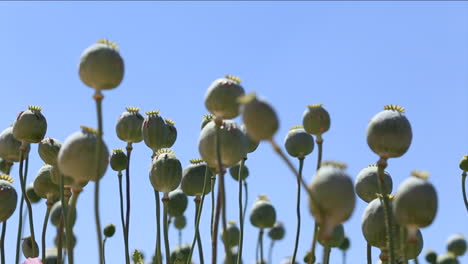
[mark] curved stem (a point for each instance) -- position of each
(381, 165)
(270, 252)
(314, 244)
(319, 142)
(326, 254)
(464, 190)
(2, 241)
(246, 190)
(104, 249)
(241, 214)
(403, 245)
(127, 219)
(20, 227)
(158, 229)
(213, 181)
(227, 249)
(298, 210)
(165, 199)
(68, 229)
(122, 219)
(69, 237)
(60, 227)
(44, 228)
(99, 148)
(369, 254)
(261, 245)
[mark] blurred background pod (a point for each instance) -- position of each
(336, 238)
(298, 143)
(177, 203)
(180, 254)
(373, 224)
(456, 244)
(180, 222)
(154, 131)
(316, 119)
(221, 97)
(277, 232)
(118, 160)
(128, 127)
(27, 247)
(259, 117)
(193, 178)
(230, 236)
(234, 171)
(8, 197)
(32, 195)
(48, 150)
(43, 185)
(447, 258)
(165, 171)
(171, 133)
(30, 126)
(10, 146)
(366, 185)
(56, 213)
(263, 214)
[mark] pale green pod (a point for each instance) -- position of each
(48, 150)
(32, 195)
(252, 145)
(56, 174)
(316, 119)
(43, 185)
(366, 185)
(118, 160)
(193, 179)
(464, 163)
(277, 232)
(389, 132)
(221, 97)
(413, 248)
(180, 254)
(259, 117)
(298, 143)
(10, 146)
(232, 144)
(8, 197)
(234, 171)
(154, 131)
(230, 236)
(56, 213)
(101, 67)
(30, 125)
(447, 258)
(373, 224)
(27, 248)
(177, 203)
(109, 230)
(64, 239)
(171, 133)
(77, 157)
(263, 214)
(336, 238)
(128, 127)
(456, 244)
(180, 222)
(165, 171)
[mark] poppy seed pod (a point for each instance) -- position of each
(298, 142)
(56, 213)
(345, 244)
(8, 197)
(64, 239)
(232, 144)
(413, 247)
(109, 230)
(259, 117)
(193, 178)
(263, 214)
(389, 132)
(457, 244)
(177, 203)
(234, 171)
(32, 195)
(118, 160)
(373, 224)
(431, 256)
(10, 146)
(277, 232)
(234, 255)
(171, 133)
(464, 163)
(252, 145)
(101, 66)
(180, 254)
(447, 258)
(366, 185)
(27, 247)
(154, 131)
(43, 185)
(316, 119)
(128, 127)
(48, 150)
(415, 203)
(230, 236)
(77, 156)
(180, 222)
(221, 97)
(165, 171)
(333, 196)
(30, 125)
(336, 238)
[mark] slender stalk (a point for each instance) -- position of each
(261, 245)
(122, 219)
(270, 252)
(165, 199)
(319, 142)
(369, 254)
(214, 235)
(381, 165)
(127, 219)
(227, 249)
(403, 245)
(68, 229)
(416, 260)
(2, 241)
(104, 249)
(98, 96)
(200, 248)
(314, 244)
(241, 214)
(213, 181)
(158, 229)
(74, 199)
(344, 256)
(59, 241)
(44, 227)
(257, 250)
(197, 201)
(298, 210)
(464, 190)
(326, 254)
(246, 189)
(180, 237)
(20, 228)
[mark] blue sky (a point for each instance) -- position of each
(354, 57)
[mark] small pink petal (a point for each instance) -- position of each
(33, 261)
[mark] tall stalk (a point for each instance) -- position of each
(20, 227)
(158, 229)
(260, 238)
(44, 227)
(129, 149)
(241, 213)
(298, 210)
(381, 165)
(165, 200)
(98, 96)
(464, 190)
(2, 241)
(270, 252)
(122, 219)
(369, 254)
(74, 199)
(62, 217)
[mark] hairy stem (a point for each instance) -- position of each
(298, 210)
(99, 149)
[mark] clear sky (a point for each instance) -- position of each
(354, 57)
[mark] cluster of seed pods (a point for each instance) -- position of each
(390, 222)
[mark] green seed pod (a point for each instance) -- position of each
(48, 150)
(234, 171)
(64, 240)
(180, 254)
(109, 230)
(263, 214)
(193, 178)
(129, 124)
(457, 244)
(336, 238)
(55, 176)
(233, 257)
(221, 97)
(389, 132)
(307, 257)
(345, 244)
(298, 142)
(56, 213)
(230, 236)
(171, 133)
(165, 171)
(177, 203)
(32, 195)
(415, 204)
(373, 224)
(447, 258)
(27, 247)
(30, 125)
(10, 146)
(101, 66)
(260, 119)
(277, 232)
(333, 196)
(77, 157)
(8, 197)
(180, 222)
(366, 185)
(43, 185)
(316, 119)
(155, 131)
(464, 163)
(232, 144)
(431, 256)
(118, 160)
(252, 145)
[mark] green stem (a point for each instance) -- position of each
(60, 231)
(314, 244)
(104, 249)
(220, 199)
(180, 237)
(44, 228)
(245, 201)
(270, 252)
(319, 142)
(326, 254)
(99, 148)
(127, 219)
(369, 254)
(2, 241)
(227, 249)
(68, 228)
(122, 219)
(261, 245)
(69, 237)
(257, 250)
(464, 190)
(403, 245)
(298, 210)
(213, 181)
(381, 165)
(20, 227)
(165, 199)
(158, 229)
(241, 214)
(200, 248)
